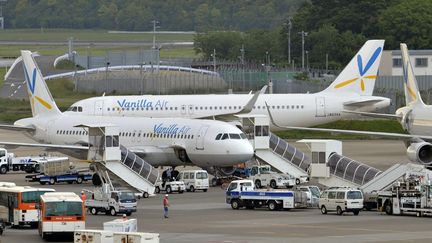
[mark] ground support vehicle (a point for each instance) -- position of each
(70, 177)
(340, 200)
(29, 164)
(264, 177)
(412, 195)
(313, 194)
(170, 186)
(61, 213)
(241, 193)
(2, 226)
(111, 201)
(194, 180)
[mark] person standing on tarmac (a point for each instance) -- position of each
(83, 196)
(165, 205)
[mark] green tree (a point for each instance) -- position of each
(227, 44)
(409, 22)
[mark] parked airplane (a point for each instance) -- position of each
(352, 90)
(415, 118)
(160, 141)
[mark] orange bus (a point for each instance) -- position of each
(18, 203)
(60, 213)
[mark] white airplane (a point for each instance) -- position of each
(160, 141)
(415, 118)
(352, 90)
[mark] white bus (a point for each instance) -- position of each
(60, 213)
(18, 203)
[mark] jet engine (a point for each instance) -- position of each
(420, 152)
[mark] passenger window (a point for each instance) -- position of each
(331, 195)
(192, 175)
(225, 136)
(186, 176)
(340, 195)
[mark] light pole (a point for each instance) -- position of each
(303, 35)
(214, 59)
(289, 26)
(242, 57)
(268, 68)
(307, 61)
(106, 77)
(155, 22)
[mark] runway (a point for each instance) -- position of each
(204, 216)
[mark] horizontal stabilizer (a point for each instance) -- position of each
(375, 115)
(362, 103)
(17, 128)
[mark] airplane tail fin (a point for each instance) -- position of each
(361, 72)
(412, 93)
(40, 97)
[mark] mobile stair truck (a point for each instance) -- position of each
(242, 193)
(411, 195)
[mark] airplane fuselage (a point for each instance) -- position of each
(287, 109)
(160, 141)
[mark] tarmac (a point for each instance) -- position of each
(205, 217)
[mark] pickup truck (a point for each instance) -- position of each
(263, 176)
(242, 193)
(170, 186)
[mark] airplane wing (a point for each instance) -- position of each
(43, 145)
(16, 128)
(375, 115)
(367, 133)
(232, 115)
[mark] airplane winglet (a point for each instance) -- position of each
(271, 117)
(249, 106)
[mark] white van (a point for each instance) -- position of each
(341, 200)
(194, 179)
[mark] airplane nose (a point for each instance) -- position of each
(246, 151)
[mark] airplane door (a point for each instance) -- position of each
(320, 106)
(98, 108)
(200, 138)
(190, 110)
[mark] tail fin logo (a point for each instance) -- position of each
(32, 85)
(407, 83)
(362, 71)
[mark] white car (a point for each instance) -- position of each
(262, 176)
(313, 193)
(194, 180)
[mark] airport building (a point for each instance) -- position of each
(391, 62)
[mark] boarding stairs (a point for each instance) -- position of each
(124, 166)
(385, 180)
(273, 150)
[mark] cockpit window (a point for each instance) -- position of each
(243, 136)
(80, 109)
(75, 109)
(234, 136)
(219, 136)
(225, 136)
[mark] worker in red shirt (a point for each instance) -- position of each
(165, 205)
(83, 196)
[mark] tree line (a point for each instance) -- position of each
(186, 15)
(336, 29)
